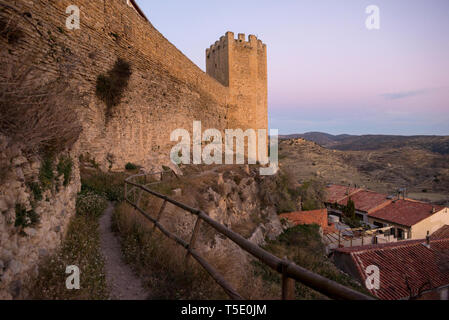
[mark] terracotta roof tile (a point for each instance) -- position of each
(397, 262)
(405, 212)
(335, 193)
(367, 201)
(442, 233)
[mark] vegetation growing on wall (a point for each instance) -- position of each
(25, 218)
(36, 190)
(64, 168)
(46, 174)
(110, 87)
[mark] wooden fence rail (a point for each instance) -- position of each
(289, 271)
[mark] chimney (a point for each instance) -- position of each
(428, 239)
(434, 210)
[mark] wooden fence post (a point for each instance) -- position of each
(288, 284)
(126, 190)
(159, 215)
(193, 239)
(138, 200)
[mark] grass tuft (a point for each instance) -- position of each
(46, 174)
(65, 167)
(110, 185)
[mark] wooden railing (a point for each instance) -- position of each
(290, 271)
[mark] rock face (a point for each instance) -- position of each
(237, 204)
(235, 199)
(21, 246)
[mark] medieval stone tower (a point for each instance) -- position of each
(241, 66)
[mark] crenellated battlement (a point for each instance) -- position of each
(241, 40)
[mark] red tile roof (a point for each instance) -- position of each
(405, 212)
(410, 260)
(335, 193)
(318, 217)
(442, 233)
(367, 201)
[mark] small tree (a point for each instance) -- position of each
(349, 215)
(349, 209)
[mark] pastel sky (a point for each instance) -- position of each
(326, 71)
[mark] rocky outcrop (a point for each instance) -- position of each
(236, 202)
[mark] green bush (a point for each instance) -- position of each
(46, 174)
(65, 167)
(90, 204)
(25, 218)
(131, 166)
(36, 189)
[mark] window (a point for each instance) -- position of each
(378, 224)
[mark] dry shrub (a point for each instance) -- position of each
(35, 112)
(161, 262)
(235, 266)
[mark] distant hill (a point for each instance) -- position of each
(345, 142)
(425, 174)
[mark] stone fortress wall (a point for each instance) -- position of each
(166, 90)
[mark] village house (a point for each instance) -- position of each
(413, 269)
(410, 219)
(406, 218)
(365, 201)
